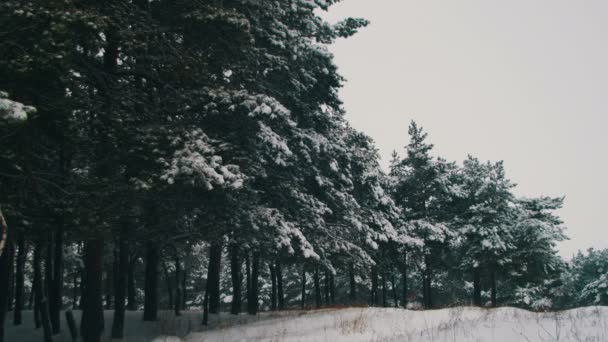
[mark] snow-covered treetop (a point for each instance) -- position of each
(12, 111)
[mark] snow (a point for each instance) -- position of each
(13, 111)
(454, 324)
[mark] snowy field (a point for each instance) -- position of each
(362, 324)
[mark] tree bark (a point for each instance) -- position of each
(332, 289)
(493, 287)
(35, 283)
(317, 282)
(92, 322)
(476, 286)
(6, 261)
(151, 282)
(56, 295)
(374, 289)
(43, 303)
(326, 287)
(235, 272)
(353, 284)
(3, 232)
(281, 297)
(109, 282)
(120, 284)
(213, 276)
(131, 303)
(169, 286)
(255, 274)
(248, 278)
(20, 280)
(303, 298)
(384, 288)
(273, 287)
(404, 288)
(178, 287)
(184, 282)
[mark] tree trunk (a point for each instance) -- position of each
(394, 288)
(151, 282)
(235, 272)
(303, 298)
(247, 278)
(120, 284)
(374, 289)
(281, 297)
(326, 287)
(49, 274)
(476, 286)
(178, 287)
(493, 288)
(404, 288)
(56, 293)
(131, 304)
(332, 289)
(6, 262)
(317, 282)
(92, 322)
(384, 287)
(20, 280)
(184, 282)
(11, 278)
(273, 287)
(255, 274)
(3, 232)
(109, 283)
(169, 286)
(35, 283)
(353, 284)
(213, 277)
(41, 298)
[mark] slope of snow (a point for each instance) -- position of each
(455, 324)
(460, 324)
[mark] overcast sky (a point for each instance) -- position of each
(521, 81)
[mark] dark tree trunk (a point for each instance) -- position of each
(476, 286)
(206, 309)
(273, 287)
(75, 290)
(384, 288)
(6, 262)
(404, 288)
(184, 282)
(317, 282)
(41, 298)
(326, 287)
(109, 282)
(281, 297)
(394, 288)
(169, 286)
(247, 278)
(493, 287)
(213, 277)
(332, 289)
(235, 272)
(131, 304)
(55, 290)
(353, 284)
(178, 287)
(303, 298)
(92, 323)
(374, 289)
(49, 282)
(120, 284)
(11, 278)
(151, 282)
(255, 275)
(37, 282)
(20, 280)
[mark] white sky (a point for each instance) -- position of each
(519, 80)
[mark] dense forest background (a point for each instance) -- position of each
(195, 155)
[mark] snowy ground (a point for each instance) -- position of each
(362, 324)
